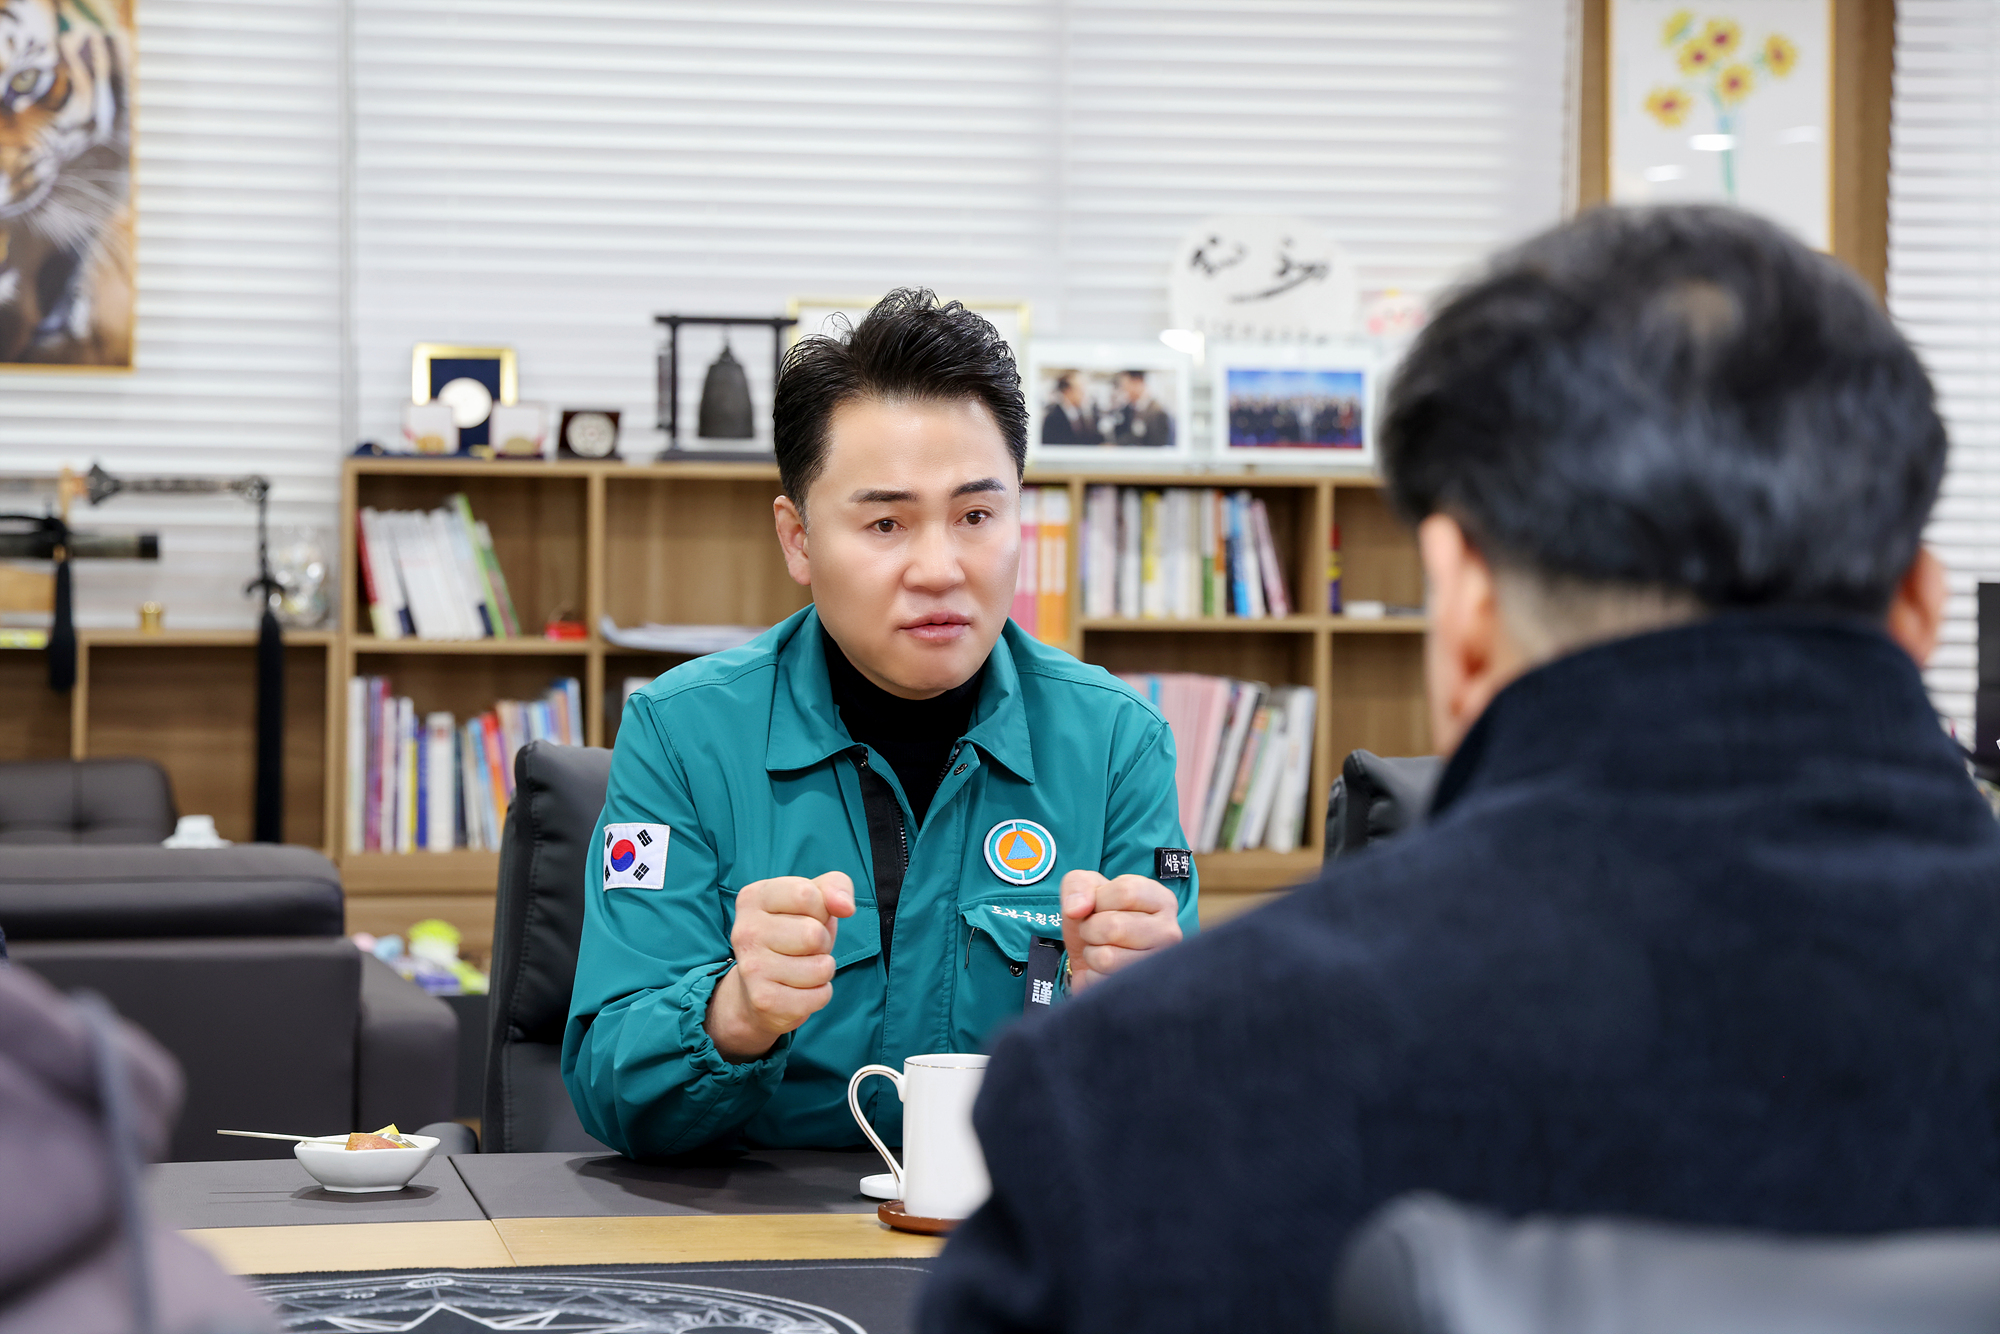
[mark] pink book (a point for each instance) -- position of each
(1275, 596)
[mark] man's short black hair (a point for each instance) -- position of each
(1681, 397)
(907, 347)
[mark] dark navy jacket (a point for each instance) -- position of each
(1705, 926)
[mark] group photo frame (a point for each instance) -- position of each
(1098, 402)
(1293, 404)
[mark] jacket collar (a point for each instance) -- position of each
(1737, 698)
(806, 729)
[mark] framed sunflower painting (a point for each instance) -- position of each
(1727, 102)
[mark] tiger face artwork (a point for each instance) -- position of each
(65, 182)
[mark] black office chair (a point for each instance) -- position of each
(1428, 1265)
(538, 920)
(1375, 797)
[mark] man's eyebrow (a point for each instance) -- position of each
(903, 497)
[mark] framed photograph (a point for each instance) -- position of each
(815, 315)
(471, 380)
(66, 257)
(1297, 404)
(1095, 402)
(1730, 103)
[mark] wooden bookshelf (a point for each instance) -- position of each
(693, 543)
(188, 699)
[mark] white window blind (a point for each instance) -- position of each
(1944, 289)
(549, 178)
(236, 156)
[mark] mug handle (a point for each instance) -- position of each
(854, 1105)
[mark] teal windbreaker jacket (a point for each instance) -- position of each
(735, 768)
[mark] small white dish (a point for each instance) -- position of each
(362, 1171)
(881, 1186)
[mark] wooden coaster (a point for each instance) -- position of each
(891, 1213)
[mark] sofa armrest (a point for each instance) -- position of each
(406, 1057)
(152, 893)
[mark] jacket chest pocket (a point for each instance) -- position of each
(992, 981)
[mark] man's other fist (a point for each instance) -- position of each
(783, 943)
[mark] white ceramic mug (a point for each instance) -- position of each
(945, 1176)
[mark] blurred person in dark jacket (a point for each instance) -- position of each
(68, 1220)
(1704, 923)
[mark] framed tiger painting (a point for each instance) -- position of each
(66, 263)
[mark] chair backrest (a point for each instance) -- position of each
(1428, 1265)
(1376, 797)
(85, 801)
(538, 920)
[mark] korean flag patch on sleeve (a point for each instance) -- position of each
(635, 855)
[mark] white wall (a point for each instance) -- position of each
(548, 177)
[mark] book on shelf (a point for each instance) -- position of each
(1041, 586)
(432, 574)
(429, 783)
(1178, 553)
(1243, 758)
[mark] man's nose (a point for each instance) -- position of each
(934, 563)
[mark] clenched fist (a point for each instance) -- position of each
(783, 943)
(1112, 924)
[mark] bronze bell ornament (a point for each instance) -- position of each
(725, 401)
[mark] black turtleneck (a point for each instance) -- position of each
(914, 735)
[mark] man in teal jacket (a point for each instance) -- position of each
(892, 822)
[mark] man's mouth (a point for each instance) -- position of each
(941, 627)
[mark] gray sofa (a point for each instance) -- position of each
(232, 958)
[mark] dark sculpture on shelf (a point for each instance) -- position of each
(725, 401)
(727, 411)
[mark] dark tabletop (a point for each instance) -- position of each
(584, 1185)
(277, 1192)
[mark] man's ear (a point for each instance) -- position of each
(1916, 613)
(1465, 662)
(792, 540)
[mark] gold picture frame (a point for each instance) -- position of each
(424, 354)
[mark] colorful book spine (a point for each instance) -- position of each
(1026, 575)
(1052, 580)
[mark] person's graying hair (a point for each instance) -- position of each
(1679, 399)
(907, 347)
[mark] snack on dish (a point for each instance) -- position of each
(385, 1138)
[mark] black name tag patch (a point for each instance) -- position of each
(1045, 959)
(1172, 863)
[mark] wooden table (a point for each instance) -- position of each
(499, 1211)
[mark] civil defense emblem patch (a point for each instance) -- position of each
(1020, 851)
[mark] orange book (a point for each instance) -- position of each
(1052, 584)
(496, 767)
